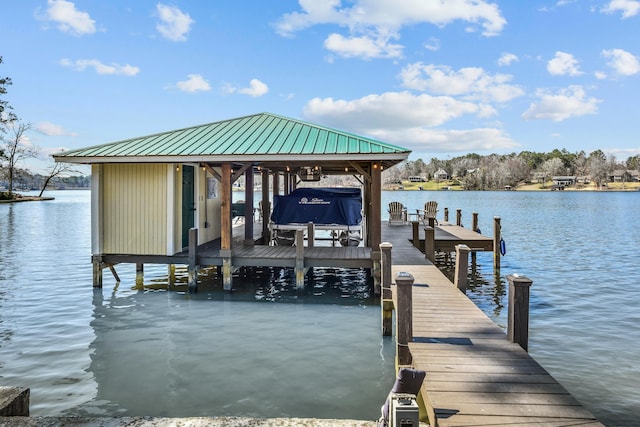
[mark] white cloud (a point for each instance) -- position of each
(408, 120)
(622, 62)
(472, 83)
(51, 129)
(174, 24)
(255, 89)
(507, 58)
(194, 83)
(389, 110)
(100, 68)
(563, 64)
(566, 103)
(372, 23)
(364, 47)
(68, 18)
(433, 44)
(628, 8)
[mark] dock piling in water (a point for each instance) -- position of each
(518, 311)
(404, 318)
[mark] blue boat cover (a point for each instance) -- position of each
(342, 206)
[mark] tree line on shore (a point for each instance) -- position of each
(497, 171)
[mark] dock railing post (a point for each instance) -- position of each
(446, 214)
(193, 259)
(404, 317)
(462, 267)
(497, 236)
(299, 259)
(387, 298)
(430, 243)
(518, 321)
(459, 217)
(416, 234)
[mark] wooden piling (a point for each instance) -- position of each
(415, 226)
(462, 267)
(193, 260)
(430, 244)
(497, 236)
(459, 217)
(139, 276)
(311, 234)
(386, 301)
(404, 318)
(518, 311)
(97, 273)
(171, 274)
(446, 214)
(299, 259)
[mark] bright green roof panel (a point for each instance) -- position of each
(262, 134)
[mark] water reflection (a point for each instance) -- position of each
(265, 349)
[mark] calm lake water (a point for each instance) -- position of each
(267, 351)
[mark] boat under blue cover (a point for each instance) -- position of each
(322, 206)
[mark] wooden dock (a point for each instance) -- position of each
(474, 375)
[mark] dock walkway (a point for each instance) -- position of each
(474, 375)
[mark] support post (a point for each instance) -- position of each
(462, 267)
(474, 221)
(193, 260)
(430, 244)
(404, 317)
(518, 322)
(97, 273)
(387, 298)
(139, 276)
(497, 236)
(415, 225)
(446, 214)
(225, 224)
(266, 208)
(171, 274)
(310, 234)
(299, 259)
(248, 207)
(459, 217)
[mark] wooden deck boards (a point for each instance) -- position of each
(475, 376)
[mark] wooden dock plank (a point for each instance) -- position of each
(474, 375)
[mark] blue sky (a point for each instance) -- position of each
(440, 77)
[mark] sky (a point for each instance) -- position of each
(442, 78)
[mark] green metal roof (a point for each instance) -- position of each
(258, 137)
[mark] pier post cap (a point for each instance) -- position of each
(462, 247)
(519, 280)
(386, 245)
(404, 278)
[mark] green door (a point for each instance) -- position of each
(188, 203)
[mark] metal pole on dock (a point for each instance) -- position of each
(518, 321)
(386, 300)
(404, 317)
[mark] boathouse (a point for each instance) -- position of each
(167, 198)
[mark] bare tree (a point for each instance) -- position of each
(15, 147)
(56, 169)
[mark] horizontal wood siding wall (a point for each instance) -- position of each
(134, 209)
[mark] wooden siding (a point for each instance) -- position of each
(134, 209)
